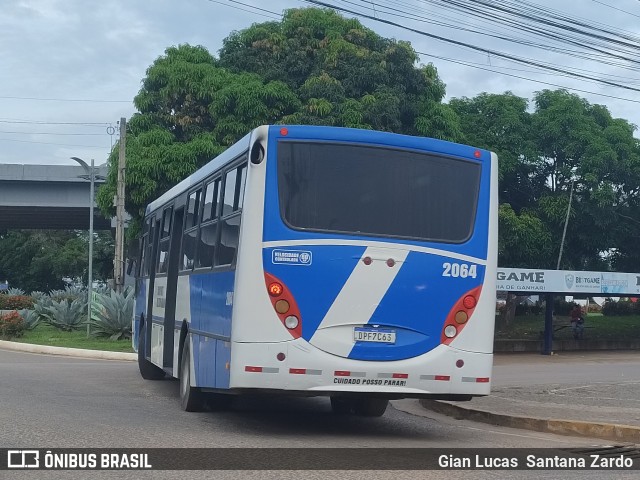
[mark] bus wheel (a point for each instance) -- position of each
(147, 369)
(191, 398)
(371, 407)
(342, 405)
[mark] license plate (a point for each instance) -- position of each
(377, 335)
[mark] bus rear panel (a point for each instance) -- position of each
(366, 266)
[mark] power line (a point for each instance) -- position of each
(54, 133)
(44, 122)
(473, 47)
(49, 143)
(276, 17)
(460, 62)
(616, 8)
(7, 97)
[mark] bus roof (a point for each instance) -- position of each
(311, 132)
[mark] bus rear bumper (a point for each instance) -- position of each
(444, 372)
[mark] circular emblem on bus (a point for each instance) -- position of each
(305, 257)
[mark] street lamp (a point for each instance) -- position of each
(90, 174)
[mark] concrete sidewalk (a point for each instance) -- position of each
(595, 394)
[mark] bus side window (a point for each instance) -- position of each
(231, 215)
(165, 238)
(148, 248)
(208, 225)
(211, 200)
(190, 235)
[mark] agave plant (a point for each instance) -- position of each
(14, 291)
(31, 318)
(111, 316)
(75, 292)
(37, 295)
(69, 293)
(65, 315)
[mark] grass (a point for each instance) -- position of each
(599, 327)
(45, 334)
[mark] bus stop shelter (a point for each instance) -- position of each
(550, 283)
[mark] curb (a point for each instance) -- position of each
(69, 352)
(606, 431)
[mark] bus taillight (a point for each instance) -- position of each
(275, 289)
(459, 315)
(284, 305)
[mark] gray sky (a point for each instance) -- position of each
(54, 54)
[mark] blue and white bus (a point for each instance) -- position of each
(354, 264)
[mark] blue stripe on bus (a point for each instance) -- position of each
(416, 305)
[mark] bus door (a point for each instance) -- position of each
(171, 289)
(150, 268)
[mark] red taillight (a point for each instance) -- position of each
(477, 154)
(284, 305)
(284, 132)
(367, 260)
(275, 289)
(469, 301)
(459, 315)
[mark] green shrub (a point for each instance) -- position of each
(621, 307)
(526, 309)
(15, 302)
(11, 325)
(594, 308)
(64, 315)
(562, 307)
(111, 316)
(31, 318)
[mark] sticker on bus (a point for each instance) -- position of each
(291, 257)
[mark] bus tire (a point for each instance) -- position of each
(191, 398)
(148, 370)
(371, 407)
(342, 405)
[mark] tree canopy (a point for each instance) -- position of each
(40, 259)
(317, 67)
(313, 67)
(564, 140)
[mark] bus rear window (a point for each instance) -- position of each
(379, 191)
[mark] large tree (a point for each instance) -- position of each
(565, 148)
(40, 259)
(313, 67)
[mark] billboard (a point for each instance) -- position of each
(567, 281)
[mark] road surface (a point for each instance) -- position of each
(57, 402)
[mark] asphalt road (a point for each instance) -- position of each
(48, 401)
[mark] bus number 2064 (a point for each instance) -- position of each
(461, 270)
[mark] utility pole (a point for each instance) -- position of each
(118, 262)
(566, 222)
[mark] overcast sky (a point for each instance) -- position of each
(69, 61)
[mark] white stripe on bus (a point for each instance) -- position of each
(368, 243)
(364, 288)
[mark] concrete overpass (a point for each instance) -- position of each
(47, 197)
